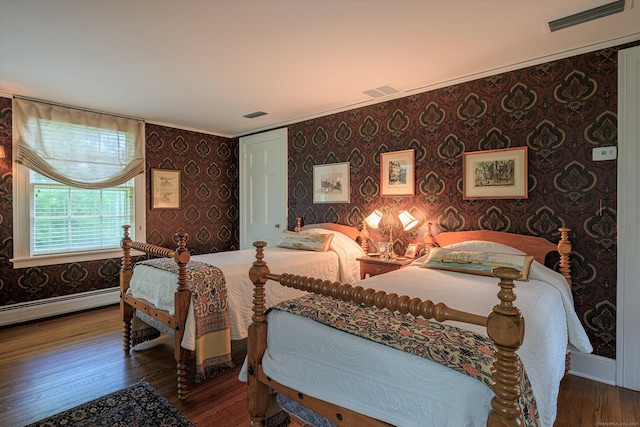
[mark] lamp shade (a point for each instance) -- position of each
(373, 220)
(408, 221)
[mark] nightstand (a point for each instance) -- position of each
(374, 265)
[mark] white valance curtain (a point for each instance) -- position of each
(75, 147)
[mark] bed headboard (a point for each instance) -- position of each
(539, 247)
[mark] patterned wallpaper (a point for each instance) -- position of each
(560, 110)
(209, 211)
(210, 189)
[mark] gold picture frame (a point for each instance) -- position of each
(412, 250)
(331, 183)
(495, 174)
(165, 189)
(397, 173)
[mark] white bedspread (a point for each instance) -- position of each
(404, 389)
(337, 264)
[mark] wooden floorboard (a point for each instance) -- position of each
(53, 365)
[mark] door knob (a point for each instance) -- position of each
(277, 225)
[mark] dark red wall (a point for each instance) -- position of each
(209, 211)
(560, 110)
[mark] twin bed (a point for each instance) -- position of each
(342, 359)
(156, 297)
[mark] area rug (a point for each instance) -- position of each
(138, 405)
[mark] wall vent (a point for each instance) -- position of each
(381, 91)
(587, 15)
(254, 114)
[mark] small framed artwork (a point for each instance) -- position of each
(397, 173)
(412, 250)
(495, 174)
(331, 183)
(165, 189)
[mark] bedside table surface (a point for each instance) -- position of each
(401, 262)
(374, 265)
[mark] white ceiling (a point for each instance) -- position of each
(202, 64)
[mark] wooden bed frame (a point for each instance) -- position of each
(182, 298)
(505, 326)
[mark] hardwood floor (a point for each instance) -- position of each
(53, 365)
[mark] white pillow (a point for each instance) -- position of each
(476, 246)
(339, 239)
(477, 262)
(484, 246)
(305, 241)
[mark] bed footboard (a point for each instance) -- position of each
(182, 299)
(505, 326)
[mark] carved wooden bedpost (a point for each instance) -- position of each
(126, 311)
(257, 392)
(564, 249)
(429, 240)
(505, 326)
(298, 225)
(364, 237)
(182, 300)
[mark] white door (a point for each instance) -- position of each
(263, 187)
(628, 286)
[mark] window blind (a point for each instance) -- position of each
(68, 219)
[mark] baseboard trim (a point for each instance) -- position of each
(41, 309)
(593, 367)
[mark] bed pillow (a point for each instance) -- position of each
(480, 263)
(473, 245)
(305, 242)
(339, 242)
(484, 246)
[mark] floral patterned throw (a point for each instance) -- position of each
(209, 299)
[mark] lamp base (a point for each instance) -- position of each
(389, 255)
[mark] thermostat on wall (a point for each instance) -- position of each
(605, 153)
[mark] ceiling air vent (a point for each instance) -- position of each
(381, 91)
(254, 114)
(587, 15)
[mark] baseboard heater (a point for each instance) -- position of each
(41, 309)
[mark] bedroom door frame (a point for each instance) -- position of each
(265, 183)
(628, 283)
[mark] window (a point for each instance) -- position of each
(76, 182)
(68, 219)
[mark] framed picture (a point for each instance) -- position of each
(165, 189)
(412, 250)
(495, 174)
(397, 173)
(331, 183)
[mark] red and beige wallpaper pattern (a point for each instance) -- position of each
(208, 168)
(209, 211)
(560, 110)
